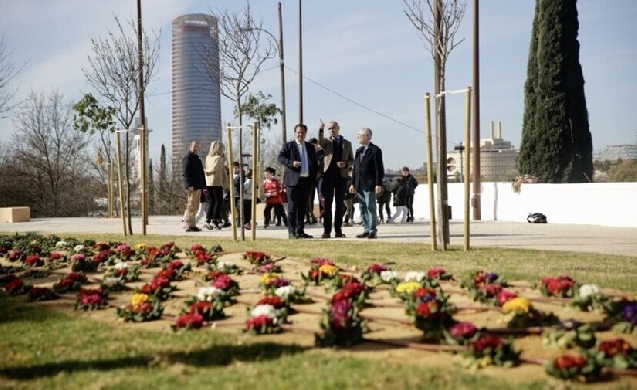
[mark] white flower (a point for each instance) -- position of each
(61, 244)
(78, 248)
(208, 293)
(285, 291)
(415, 276)
(388, 276)
(222, 263)
(110, 281)
(587, 290)
(120, 265)
(267, 310)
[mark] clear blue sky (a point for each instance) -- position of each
(365, 50)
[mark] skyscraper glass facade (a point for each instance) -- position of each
(196, 95)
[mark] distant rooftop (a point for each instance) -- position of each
(616, 152)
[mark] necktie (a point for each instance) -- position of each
(303, 159)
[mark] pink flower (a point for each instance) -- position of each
(463, 330)
(90, 300)
(504, 296)
(435, 272)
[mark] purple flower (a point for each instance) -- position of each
(629, 313)
(491, 277)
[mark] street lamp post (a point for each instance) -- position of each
(279, 43)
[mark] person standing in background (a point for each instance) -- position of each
(338, 158)
(216, 182)
(367, 179)
(300, 162)
(194, 183)
(272, 192)
(410, 185)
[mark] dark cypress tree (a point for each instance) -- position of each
(556, 140)
(163, 180)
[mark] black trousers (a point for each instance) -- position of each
(333, 192)
(297, 205)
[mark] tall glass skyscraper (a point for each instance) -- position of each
(196, 95)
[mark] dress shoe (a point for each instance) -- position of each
(292, 236)
(303, 235)
(325, 235)
(363, 235)
(193, 229)
(371, 235)
(339, 235)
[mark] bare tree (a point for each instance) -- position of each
(241, 55)
(8, 71)
(437, 23)
(113, 73)
(49, 158)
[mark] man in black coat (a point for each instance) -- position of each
(300, 162)
(194, 183)
(367, 180)
(338, 158)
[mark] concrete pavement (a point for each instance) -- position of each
(561, 237)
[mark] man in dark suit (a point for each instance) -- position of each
(367, 180)
(338, 158)
(300, 162)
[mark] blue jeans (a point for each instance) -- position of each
(367, 202)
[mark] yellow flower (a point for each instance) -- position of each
(328, 270)
(137, 299)
(408, 287)
(269, 278)
(141, 246)
(517, 305)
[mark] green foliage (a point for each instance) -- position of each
(556, 141)
(257, 108)
(91, 117)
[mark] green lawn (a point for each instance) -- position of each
(41, 348)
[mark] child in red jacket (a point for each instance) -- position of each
(272, 192)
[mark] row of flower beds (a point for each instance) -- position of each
(342, 322)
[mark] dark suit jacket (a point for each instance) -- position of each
(328, 146)
(368, 172)
(290, 153)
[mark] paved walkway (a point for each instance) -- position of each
(562, 237)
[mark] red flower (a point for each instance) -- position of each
(193, 320)
(14, 285)
(200, 307)
(213, 275)
(75, 277)
(166, 274)
(32, 260)
(121, 272)
(614, 347)
(435, 272)
(55, 256)
(259, 322)
(463, 330)
(275, 301)
(376, 269)
(202, 257)
(101, 247)
(197, 248)
(491, 290)
(504, 296)
(487, 342)
(168, 245)
(566, 362)
(90, 300)
(175, 265)
(15, 255)
(424, 292)
(428, 309)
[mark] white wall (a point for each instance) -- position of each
(606, 204)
